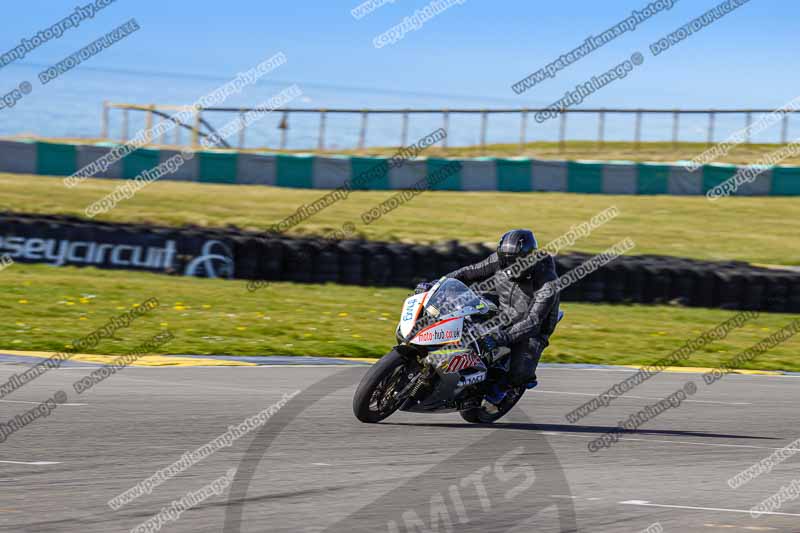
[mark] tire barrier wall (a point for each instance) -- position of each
(328, 172)
(233, 253)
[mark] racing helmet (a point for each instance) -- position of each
(515, 245)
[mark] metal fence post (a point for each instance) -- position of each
(404, 133)
(523, 129)
(601, 129)
(445, 127)
(711, 117)
(284, 127)
(638, 128)
(484, 126)
(748, 122)
(242, 128)
(785, 129)
(321, 143)
(676, 118)
(562, 131)
(362, 135)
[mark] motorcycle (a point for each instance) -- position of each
(438, 366)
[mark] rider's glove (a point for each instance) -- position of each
(490, 342)
(423, 287)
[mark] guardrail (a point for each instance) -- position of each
(201, 127)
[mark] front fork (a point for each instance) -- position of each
(420, 386)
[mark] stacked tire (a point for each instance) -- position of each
(645, 279)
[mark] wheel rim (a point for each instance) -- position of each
(383, 400)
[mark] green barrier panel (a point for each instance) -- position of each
(368, 173)
(294, 171)
(216, 167)
(513, 175)
(652, 179)
(584, 177)
(54, 159)
(450, 183)
(713, 175)
(785, 181)
(139, 161)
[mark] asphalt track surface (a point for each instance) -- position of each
(313, 467)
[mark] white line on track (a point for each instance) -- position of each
(639, 397)
(37, 403)
(746, 528)
(33, 463)
(644, 503)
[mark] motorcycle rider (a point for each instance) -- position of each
(525, 288)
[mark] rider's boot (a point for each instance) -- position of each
(498, 392)
(495, 395)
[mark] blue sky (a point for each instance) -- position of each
(468, 56)
(475, 49)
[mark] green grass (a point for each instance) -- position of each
(609, 151)
(45, 308)
(571, 150)
(758, 229)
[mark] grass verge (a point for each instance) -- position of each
(46, 308)
(758, 229)
(609, 151)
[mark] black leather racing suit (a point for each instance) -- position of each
(535, 311)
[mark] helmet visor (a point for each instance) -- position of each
(506, 259)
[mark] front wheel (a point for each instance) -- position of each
(376, 395)
(479, 415)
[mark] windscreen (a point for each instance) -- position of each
(452, 297)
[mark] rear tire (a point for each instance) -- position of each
(479, 415)
(372, 401)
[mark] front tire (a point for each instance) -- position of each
(374, 400)
(479, 415)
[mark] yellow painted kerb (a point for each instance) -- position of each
(146, 360)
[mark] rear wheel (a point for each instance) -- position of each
(376, 395)
(479, 415)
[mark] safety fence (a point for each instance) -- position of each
(233, 253)
(329, 172)
(201, 128)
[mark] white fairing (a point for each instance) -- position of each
(448, 306)
(409, 313)
(445, 331)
